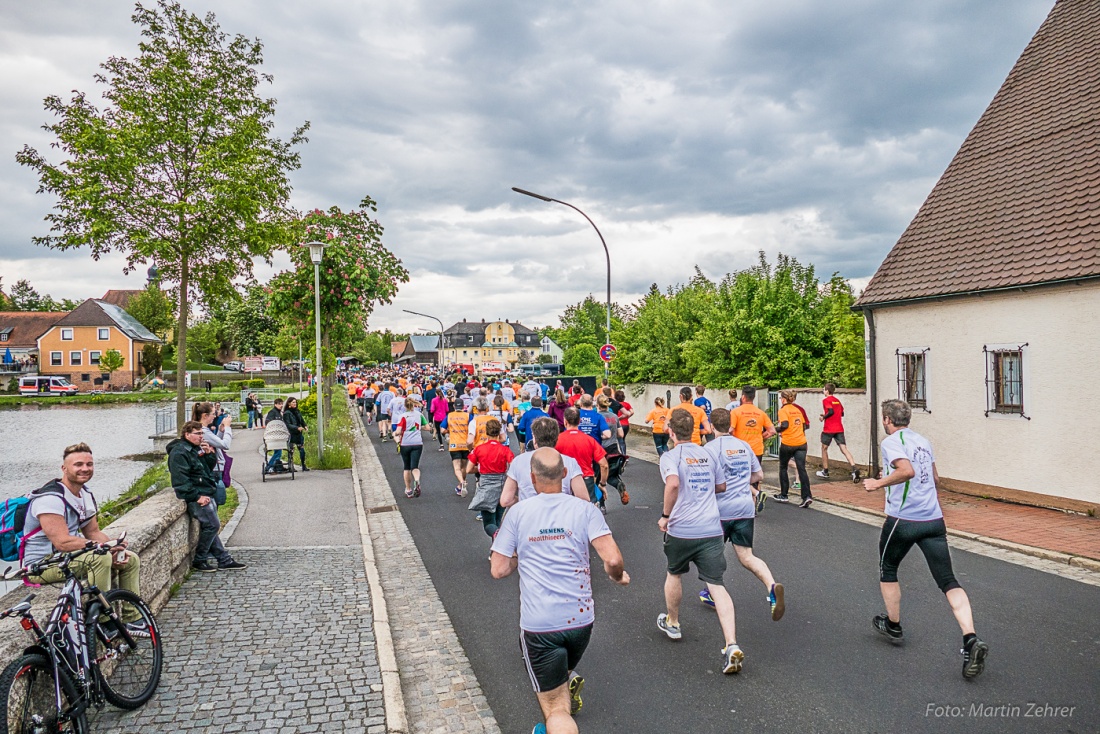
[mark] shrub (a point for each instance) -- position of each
(245, 384)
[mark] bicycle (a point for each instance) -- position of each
(85, 656)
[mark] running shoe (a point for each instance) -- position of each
(416, 489)
(797, 485)
(463, 492)
(540, 728)
(781, 498)
(603, 508)
(775, 599)
(761, 498)
(672, 630)
(458, 491)
(441, 447)
(576, 685)
(478, 517)
(855, 476)
(732, 659)
(704, 596)
(974, 658)
(823, 473)
(409, 493)
(880, 623)
(806, 502)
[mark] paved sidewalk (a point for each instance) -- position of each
(286, 645)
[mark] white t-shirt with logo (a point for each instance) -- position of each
(695, 514)
(916, 499)
(397, 409)
(385, 397)
(520, 471)
(551, 533)
(411, 422)
(736, 463)
(534, 389)
(509, 394)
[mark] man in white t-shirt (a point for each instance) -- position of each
(385, 400)
(61, 517)
(518, 486)
(508, 392)
(692, 526)
(546, 538)
(738, 466)
(914, 517)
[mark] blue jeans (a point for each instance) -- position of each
(276, 456)
(660, 440)
(209, 526)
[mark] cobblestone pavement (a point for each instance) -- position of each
(277, 647)
(440, 690)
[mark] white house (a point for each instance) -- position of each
(550, 347)
(985, 315)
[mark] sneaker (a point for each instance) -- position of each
(781, 498)
(540, 728)
(797, 485)
(880, 623)
(761, 498)
(478, 517)
(806, 502)
(775, 599)
(576, 685)
(855, 476)
(409, 493)
(305, 468)
(140, 628)
(441, 447)
(974, 658)
(732, 659)
(823, 473)
(704, 596)
(458, 490)
(463, 492)
(232, 566)
(416, 489)
(205, 567)
(672, 630)
(603, 508)
(624, 496)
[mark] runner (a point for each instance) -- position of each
(518, 487)
(701, 425)
(589, 454)
(547, 539)
(385, 400)
(503, 413)
(754, 427)
(701, 401)
(693, 533)
(591, 422)
(456, 425)
(508, 391)
(397, 409)
(439, 407)
(658, 419)
(475, 433)
(523, 428)
(734, 402)
(625, 411)
(914, 517)
(557, 406)
(832, 429)
(490, 461)
(522, 406)
(409, 435)
(616, 457)
(369, 393)
(792, 445)
(740, 468)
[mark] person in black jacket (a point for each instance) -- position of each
(191, 462)
(296, 424)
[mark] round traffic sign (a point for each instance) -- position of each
(607, 352)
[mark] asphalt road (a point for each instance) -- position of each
(821, 668)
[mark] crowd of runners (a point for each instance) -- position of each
(534, 449)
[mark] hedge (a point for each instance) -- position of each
(245, 384)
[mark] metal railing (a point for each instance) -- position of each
(166, 417)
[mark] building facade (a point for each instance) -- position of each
(509, 343)
(19, 332)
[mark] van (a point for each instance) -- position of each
(46, 386)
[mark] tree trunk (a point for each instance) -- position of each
(181, 349)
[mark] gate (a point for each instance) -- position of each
(771, 446)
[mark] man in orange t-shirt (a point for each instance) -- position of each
(699, 416)
(754, 427)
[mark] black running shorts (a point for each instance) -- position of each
(368, 403)
(551, 655)
(459, 455)
(739, 532)
(708, 555)
(899, 536)
(828, 438)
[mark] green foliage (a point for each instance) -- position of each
(250, 328)
(373, 346)
(13, 385)
(586, 323)
(545, 359)
(205, 340)
(110, 361)
(225, 511)
(23, 297)
(155, 478)
(238, 385)
(583, 359)
(339, 434)
(153, 309)
(307, 406)
(151, 358)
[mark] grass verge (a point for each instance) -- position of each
(152, 481)
(151, 396)
(339, 438)
(231, 502)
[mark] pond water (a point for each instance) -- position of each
(38, 434)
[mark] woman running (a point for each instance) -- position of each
(658, 418)
(408, 432)
(791, 425)
(556, 408)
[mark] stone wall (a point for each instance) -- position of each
(159, 530)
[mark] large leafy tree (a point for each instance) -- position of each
(153, 309)
(24, 297)
(251, 329)
(180, 166)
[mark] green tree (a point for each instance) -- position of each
(250, 327)
(206, 339)
(180, 167)
(153, 309)
(152, 357)
(24, 297)
(110, 361)
(586, 323)
(583, 359)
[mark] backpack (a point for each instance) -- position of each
(13, 519)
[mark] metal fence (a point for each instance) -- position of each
(267, 395)
(771, 446)
(166, 417)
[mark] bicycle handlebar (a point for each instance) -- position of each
(11, 573)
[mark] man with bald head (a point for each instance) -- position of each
(546, 537)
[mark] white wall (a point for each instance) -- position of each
(1053, 452)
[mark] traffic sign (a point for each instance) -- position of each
(607, 352)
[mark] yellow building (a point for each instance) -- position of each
(74, 345)
(501, 342)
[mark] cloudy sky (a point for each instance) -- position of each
(692, 132)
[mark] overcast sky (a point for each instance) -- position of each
(693, 133)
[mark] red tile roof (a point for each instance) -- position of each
(397, 348)
(1020, 203)
(26, 327)
(119, 298)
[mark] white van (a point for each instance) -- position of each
(46, 385)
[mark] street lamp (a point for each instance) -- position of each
(433, 318)
(316, 251)
(606, 365)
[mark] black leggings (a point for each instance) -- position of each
(410, 457)
(491, 520)
(898, 536)
(798, 453)
(438, 431)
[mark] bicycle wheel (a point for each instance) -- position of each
(128, 675)
(27, 703)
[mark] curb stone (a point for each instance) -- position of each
(238, 514)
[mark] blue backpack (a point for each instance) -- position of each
(13, 519)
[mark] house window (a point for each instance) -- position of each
(104, 334)
(1004, 379)
(66, 335)
(55, 359)
(93, 357)
(3, 337)
(500, 353)
(74, 358)
(913, 377)
(463, 352)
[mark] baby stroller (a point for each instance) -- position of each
(616, 463)
(277, 438)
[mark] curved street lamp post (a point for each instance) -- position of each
(439, 353)
(316, 251)
(606, 364)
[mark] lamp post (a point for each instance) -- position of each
(433, 318)
(316, 251)
(606, 365)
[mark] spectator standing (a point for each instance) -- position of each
(296, 424)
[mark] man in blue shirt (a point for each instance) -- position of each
(701, 401)
(532, 415)
(592, 423)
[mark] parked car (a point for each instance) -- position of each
(233, 366)
(46, 385)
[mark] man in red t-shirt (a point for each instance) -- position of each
(589, 454)
(832, 429)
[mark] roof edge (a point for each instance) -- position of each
(982, 291)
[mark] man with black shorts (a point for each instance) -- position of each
(739, 467)
(692, 527)
(385, 400)
(832, 429)
(369, 395)
(914, 517)
(546, 537)
(456, 425)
